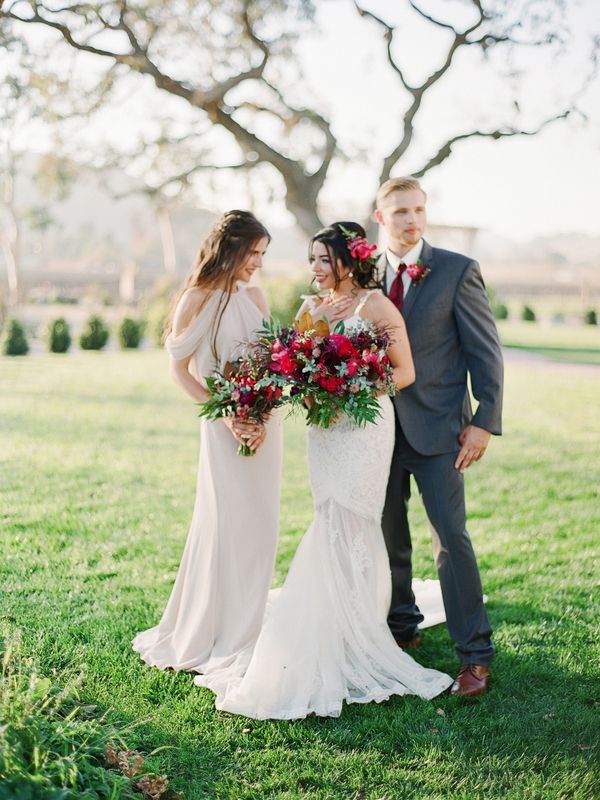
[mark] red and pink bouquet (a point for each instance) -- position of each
(244, 390)
(329, 373)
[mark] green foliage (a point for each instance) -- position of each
(95, 334)
(500, 311)
(51, 744)
(58, 336)
(14, 341)
(130, 333)
(528, 314)
(590, 317)
(499, 308)
(285, 297)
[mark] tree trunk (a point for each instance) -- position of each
(303, 206)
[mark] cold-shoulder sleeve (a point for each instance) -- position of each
(187, 341)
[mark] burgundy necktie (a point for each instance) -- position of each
(396, 293)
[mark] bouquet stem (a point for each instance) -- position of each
(245, 450)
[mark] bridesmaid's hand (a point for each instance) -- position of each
(259, 439)
(244, 431)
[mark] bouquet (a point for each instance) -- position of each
(330, 372)
(243, 390)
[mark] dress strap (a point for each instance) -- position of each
(364, 300)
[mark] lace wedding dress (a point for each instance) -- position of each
(325, 639)
(217, 604)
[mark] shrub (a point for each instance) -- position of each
(94, 335)
(500, 311)
(52, 745)
(58, 336)
(590, 317)
(130, 332)
(14, 341)
(528, 314)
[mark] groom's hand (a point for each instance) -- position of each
(473, 441)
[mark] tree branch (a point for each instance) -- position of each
(182, 178)
(434, 21)
(445, 151)
(389, 37)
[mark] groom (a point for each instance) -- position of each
(453, 335)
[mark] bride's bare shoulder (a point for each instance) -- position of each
(188, 308)
(381, 310)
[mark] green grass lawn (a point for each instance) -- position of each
(572, 343)
(97, 471)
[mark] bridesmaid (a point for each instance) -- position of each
(217, 604)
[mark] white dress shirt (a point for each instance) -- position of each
(394, 261)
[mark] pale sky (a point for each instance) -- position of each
(520, 187)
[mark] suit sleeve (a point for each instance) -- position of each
(480, 343)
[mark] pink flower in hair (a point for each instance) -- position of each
(361, 249)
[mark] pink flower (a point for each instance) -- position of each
(352, 366)
(417, 272)
(287, 364)
(360, 248)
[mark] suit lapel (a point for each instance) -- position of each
(417, 289)
(382, 264)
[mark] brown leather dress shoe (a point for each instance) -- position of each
(416, 641)
(471, 681)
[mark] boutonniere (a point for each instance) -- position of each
(418, 272)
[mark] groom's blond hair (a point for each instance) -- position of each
(398, 185)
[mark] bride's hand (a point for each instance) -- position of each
(334, 310)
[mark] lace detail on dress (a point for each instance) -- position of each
(365, 453)
(360, 551)
(363, 300)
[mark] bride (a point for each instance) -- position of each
(325, 640)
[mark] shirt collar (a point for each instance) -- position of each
(413, 255)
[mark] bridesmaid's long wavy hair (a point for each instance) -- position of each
(222, 253)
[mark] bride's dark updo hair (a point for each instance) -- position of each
(364, 273)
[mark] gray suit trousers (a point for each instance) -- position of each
(442, 490)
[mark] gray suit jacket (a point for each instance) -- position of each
(452, 334)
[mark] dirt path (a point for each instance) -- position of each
(525, 357)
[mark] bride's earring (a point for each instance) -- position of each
(351, 274)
